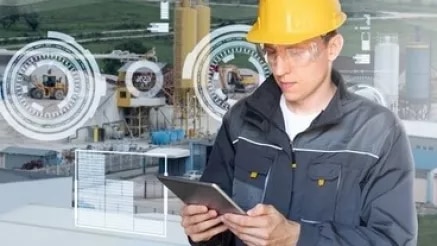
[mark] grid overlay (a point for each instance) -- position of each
(108, 204)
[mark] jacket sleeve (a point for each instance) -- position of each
(219, 170)
(388, 213)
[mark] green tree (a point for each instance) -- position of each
(32, 20)
(9, 15)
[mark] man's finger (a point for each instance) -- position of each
(194, 219)
(261, 209)
(202, 226)
(248, 240)
(246, 221)
(251, 240)
(193, 209)
(208, 234)
(259, 233)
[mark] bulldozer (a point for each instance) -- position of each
(51, 87)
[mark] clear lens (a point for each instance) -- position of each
(298, 56)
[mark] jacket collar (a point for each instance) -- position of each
(263, 104)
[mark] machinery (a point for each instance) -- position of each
(51, 87)
(33, 164)
(231, 79)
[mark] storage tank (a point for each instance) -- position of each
(185, 38)
(386, 69)
(418, 73)
(203, 20)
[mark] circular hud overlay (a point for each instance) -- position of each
(144, 79)
(51, 88)
(225, 68)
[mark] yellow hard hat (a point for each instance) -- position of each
(292, 21)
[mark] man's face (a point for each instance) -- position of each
(301, 69)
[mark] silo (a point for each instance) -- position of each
(203, 20)
(386, 69)
(203, 29)
(185, 37)
(418, 73)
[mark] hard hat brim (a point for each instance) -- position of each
(261, 36)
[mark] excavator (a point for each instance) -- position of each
(50, 87)
(232, 81)
(231, 78)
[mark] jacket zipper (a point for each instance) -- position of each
(293, 171)
(293, 156)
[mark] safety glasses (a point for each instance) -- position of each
(297, 55)
(301, 55)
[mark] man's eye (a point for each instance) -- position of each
(270, 52)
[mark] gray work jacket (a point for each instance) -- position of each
(348, 179)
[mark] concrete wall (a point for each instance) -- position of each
(55, 192)
(106, 112)
(54, 226)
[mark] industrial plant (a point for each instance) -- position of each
(154, 116)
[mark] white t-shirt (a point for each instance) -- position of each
(294, 123)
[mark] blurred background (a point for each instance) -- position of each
(100, 91)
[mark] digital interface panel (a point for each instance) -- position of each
(106, 201)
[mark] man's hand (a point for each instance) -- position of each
(263, 226)
(201, 224)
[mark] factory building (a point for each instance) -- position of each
(423, 139)
(426, 184)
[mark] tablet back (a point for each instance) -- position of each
(201, 193)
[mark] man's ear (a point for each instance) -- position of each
(335, 46)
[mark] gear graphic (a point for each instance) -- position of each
(77, 87)
(222, 47)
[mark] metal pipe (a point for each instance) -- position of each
(77, 133)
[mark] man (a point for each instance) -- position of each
(312, 163)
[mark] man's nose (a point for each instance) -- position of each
(281, 66)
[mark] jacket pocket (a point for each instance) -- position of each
(321, 187)
(251, 176)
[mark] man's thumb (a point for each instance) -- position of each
(259, 209)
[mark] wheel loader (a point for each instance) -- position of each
(51, 87)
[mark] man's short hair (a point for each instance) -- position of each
(327, 37)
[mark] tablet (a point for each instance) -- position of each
(201, 193)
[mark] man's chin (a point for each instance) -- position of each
(291, 97)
